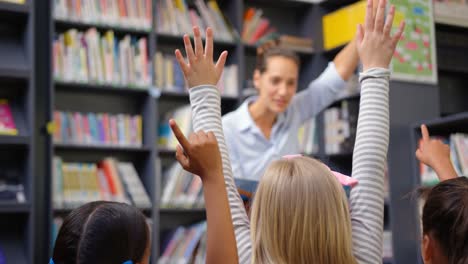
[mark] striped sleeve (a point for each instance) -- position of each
(206, 115)
(369, 158)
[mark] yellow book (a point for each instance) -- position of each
(139, 127)
(339, 27)
(13, 1)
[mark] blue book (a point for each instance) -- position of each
(246, 188)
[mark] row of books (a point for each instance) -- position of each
(75, 184)
(452, 12)
(340, 125)
(175, 17)
(183, 116)
(93, 57)
(181, 189)
(11, 187)
(169, 76)
(7, 122)
(122, 13)
(458, 154)
(101, 128)
(185, 245)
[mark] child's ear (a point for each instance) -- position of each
(256, 78)
(427, 249)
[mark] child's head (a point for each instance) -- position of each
(445, 223)
(103, 232)
(300, 212)
(276, 75)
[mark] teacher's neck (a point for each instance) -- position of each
(263, 117)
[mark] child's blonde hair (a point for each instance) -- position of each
(300, 215)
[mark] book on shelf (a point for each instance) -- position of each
(175, 17)
(308, 137)
(168, 76)
(452, 12)
(181, 189)
(183, 117)
(7, 122)
(258, 29)
(340, 125)
(458, 143)
(346, 19)
(11, 188)
(120, 13)
(14, 1)
(75, 184)
(184, 245)
(98, 128)
(387, 245)
(92, 57)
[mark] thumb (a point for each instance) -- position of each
(419, 154)
(359, 34)
(182, 158)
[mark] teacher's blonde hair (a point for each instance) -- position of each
(300, 215)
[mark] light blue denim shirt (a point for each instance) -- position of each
(251, 152)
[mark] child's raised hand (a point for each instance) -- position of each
(374, 43)
(435, 154)
(199, 154)
(200, 68)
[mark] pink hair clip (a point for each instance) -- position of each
(343, 179)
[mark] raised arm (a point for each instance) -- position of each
(202, 75)
(375, 46)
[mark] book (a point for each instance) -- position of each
(340, 127)
(11, 187)
(185, 245)
(75, 184)
(98, 129)
(175, 17)
(132, 14)
(7, 122)
(101, 58)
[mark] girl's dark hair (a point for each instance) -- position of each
(445, 218)
(102, 232)
(263, 54)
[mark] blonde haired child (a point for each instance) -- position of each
(300, 213)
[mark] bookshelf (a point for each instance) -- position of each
(18, 68)
(16, 158)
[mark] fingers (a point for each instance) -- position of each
(179, 135)
(220, 64)
(180, 156)
(209, 44)
(198, 42)
(211, 136)
(389, 21)
(398, 34)
(425, 133)
(359, 34)
(189, 49)
(369, 22)
(380, 16)
(181, 61)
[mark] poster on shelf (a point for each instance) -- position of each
(415, 58)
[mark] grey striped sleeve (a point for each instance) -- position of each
(368, 165)
(369, 157)
(206, 115)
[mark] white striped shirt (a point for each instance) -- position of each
(369, 157)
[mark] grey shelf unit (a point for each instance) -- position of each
(17, 152)
(290, 17)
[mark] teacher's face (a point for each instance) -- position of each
(277, 84)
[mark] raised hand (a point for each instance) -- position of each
(435, 154)
(199, 154)
(200, 68)
(374, 43)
